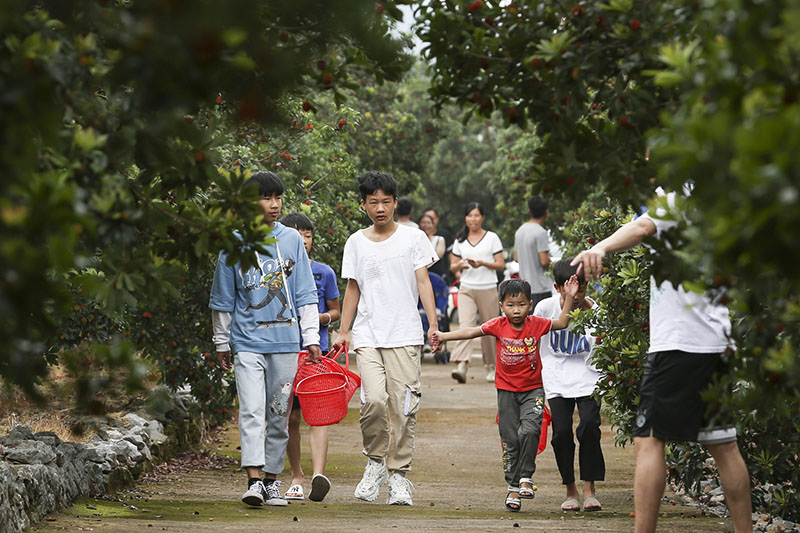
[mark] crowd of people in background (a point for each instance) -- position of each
(263, 314)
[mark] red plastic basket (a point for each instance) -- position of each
(324, 388)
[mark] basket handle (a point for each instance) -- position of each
(334, 354)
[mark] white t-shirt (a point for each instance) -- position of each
(385, 271)
(567, 370)
(684, 320)
(481, 277)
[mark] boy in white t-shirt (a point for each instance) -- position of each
(386, 267)
(569, 380)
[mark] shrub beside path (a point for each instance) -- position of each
(457, 475)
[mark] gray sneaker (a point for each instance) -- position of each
(255, 495)
(400, 490)
(375, 476)
(272, 494)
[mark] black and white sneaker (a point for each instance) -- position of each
(272, 493)
(256, 494)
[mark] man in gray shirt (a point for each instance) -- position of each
(532, 250)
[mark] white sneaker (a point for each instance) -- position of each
(400, 490)
(255, 495)
(375, 476)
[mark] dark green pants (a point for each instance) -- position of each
(520, 423)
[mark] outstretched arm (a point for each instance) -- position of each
(570, 290)
(626, 237)
(439, 337)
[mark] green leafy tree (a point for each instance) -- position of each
(115, 130)
(711, 89)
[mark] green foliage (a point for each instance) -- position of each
(116, 134)
(577, 73)
(620, 321)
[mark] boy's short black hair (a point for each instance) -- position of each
(374, 181)
(513, 287)
(537, 206)
(431, 208)
(404, 206)
(268, 183)
(562, 271)
(297, 221)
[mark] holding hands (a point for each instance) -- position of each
(436, 340)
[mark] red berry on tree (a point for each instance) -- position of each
(474, 6)
(321, 64)
(219, 99)
(306, 106)
(635, 24)
(284, 37)
(536, 62)
(624, 121)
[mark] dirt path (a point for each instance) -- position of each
(457, 474)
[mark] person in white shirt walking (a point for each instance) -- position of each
(689, 333)
(477, 255)
(386, 267)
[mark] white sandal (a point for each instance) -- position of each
(295, 492)
(513, 504)
(526, 493)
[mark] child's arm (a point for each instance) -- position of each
(439, 337)
(570, 290)
(351, 296)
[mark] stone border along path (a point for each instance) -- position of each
(457, 475)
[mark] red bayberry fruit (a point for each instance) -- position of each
(635, 24)
(536, 62)
(306, 106)
(624, 121)
(199, 157)
(284, 37)
(321, 64)
(219, 99)
(474, 6)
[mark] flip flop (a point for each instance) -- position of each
(570, 505)
(591, 504)
(513, 504)
(320, 485)
(295, 492)
(526, 493)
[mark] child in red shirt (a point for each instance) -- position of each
(518, 378)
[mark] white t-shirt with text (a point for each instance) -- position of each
(484, 250)
(387, 315)
(567, 370)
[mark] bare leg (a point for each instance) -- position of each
(572, 490)
(293, 447)
(588, 489)
(735, 482)
(649, 482)
(319, 448)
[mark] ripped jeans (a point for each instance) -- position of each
(264, 385)
(390, 395)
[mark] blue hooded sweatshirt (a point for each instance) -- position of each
(264, 300)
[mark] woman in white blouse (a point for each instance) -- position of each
(427, 225)
(477, 255)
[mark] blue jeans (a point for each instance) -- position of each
(264, 385)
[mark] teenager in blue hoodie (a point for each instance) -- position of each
(255, 313)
